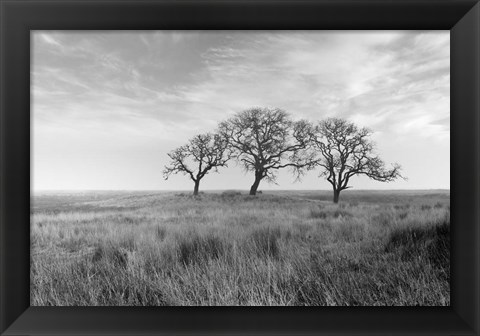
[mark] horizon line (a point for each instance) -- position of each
(233, 189)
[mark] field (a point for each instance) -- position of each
(228, 248)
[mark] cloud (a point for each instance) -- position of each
(312, 74)
(317, 75)
(167, 86)
(50, 39)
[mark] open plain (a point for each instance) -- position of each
(228, 248)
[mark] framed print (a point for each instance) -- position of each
(250, 156)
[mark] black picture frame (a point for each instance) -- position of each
(18, 17)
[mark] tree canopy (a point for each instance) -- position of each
(264, 140)
(202, 153)
(345, 151)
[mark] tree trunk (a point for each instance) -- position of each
(336, 195)
(195, 190)
(253, 189)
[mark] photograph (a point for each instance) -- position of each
(240, 168)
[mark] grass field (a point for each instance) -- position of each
(228, 248)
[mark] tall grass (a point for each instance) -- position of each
(233, 249)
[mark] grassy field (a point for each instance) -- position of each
(228, 248)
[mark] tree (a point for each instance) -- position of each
(346, 151)
(264, 140)
(204, 152)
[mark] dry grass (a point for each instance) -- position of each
(233, 249)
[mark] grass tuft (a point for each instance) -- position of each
(265, 240)
(109, 254)
(199, 249)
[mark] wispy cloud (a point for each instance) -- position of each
(168, 86)
(49, 39)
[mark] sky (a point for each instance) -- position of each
(107, 107)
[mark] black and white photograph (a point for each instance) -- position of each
(240, 168)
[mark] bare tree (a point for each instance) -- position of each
(198, 157)
(347, 151)
(264, 140)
